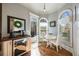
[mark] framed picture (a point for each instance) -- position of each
(52, 23)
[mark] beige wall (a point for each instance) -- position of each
(15, 10)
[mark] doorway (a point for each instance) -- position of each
(34, 34)
(33, 28)
(33, 24)
(43, 29)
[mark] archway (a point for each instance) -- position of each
(43, 29)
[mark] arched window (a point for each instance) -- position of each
(65, 27)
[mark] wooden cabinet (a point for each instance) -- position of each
(14, 46)
(7, 48)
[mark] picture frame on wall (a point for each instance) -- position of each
(52, 23)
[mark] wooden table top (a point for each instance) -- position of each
(13, 38)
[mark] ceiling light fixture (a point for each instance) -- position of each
(44, 8)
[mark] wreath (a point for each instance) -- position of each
(18, 24)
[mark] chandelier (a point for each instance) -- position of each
(44, 8)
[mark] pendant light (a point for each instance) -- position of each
(44, 8)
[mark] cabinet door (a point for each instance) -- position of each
(9, 44)
(7, 48)
(4, 47)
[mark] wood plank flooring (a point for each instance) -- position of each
(47, 51)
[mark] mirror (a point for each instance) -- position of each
(15, 24)
(65, 27)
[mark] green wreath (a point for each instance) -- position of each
(18, 24)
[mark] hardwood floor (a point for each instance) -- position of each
(47, 51)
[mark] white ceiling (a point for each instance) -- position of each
(38, 7)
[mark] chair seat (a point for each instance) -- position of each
(21, 47)
(52, 39)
